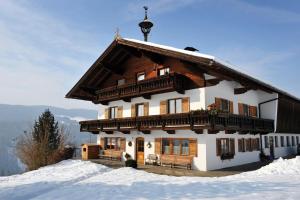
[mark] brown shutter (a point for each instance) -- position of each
(241, 109)
(133, 112)
(218, 147)
(146, 108)
(240, 143)
(158, 145)
(231, 107)
(163, 107)
(218, 103)
(193, 147)
(123, 144)
(253, 111)
(232, 146)
(120, 112)
(185, 104)
(106, 113)
(102, 143)
(258, 144)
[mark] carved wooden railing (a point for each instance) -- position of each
(170, 82)
(195, 120)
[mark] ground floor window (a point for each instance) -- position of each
(297, 140)
(288, 142)
(276, 141)
(173, 146)
(113, 143)
(248, 144)
(225, 148)
(266, 138)
(282, 141)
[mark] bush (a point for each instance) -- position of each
(131, 163)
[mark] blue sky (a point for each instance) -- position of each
(46, 46)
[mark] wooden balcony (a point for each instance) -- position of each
(195, 120)
(145, 88)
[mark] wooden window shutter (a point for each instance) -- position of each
(218, 103)
(163, 107)
(158, 146)
(218, 147)
(123, 144)
(185, 104)
(232, 146)
(240, 145)
(133, 112)
(102, 143)
(146, 108)
(120, 112)
(106, 113)
(253, 111)
(231, 107)
(258, 144)
(193, 147)
(241, 109)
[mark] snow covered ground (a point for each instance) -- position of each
(75, 179)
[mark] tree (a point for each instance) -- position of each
(45, 144)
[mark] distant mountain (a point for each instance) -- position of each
(15, 119)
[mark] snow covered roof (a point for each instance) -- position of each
(212, 63)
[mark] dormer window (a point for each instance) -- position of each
(164, 71)
(121, 82)
(140, 76)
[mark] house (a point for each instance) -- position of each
(156, 99)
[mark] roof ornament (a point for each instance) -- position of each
(146, 25)
(117, 33)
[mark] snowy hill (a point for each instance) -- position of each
(15, 119)
(77, 180)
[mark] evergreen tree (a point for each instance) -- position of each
(47, 128)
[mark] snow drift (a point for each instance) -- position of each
(75, 179)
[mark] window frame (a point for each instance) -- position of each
(276, 141)
(267, 142)
(115, 108)
(108, 142)
(282, 142)
(171, 141)
(119, 82)
(137, 109)
(175, 105)
(223, 103)
(166, 71)
(288, 141)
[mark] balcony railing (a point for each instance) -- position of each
(195, 120)
(170, 82)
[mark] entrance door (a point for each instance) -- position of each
(271, 140)
(140, 150)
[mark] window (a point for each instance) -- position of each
(140, 76)
(166, 147)
(266, 142)
(112, 143)
(164, 71)
(174, 106)
(113, 111)
(293, 141)
(225, 148)
(225, 105)
(288, 142)
(175, 146)
(245, 110)
(121, 82)
(276, 141)
(241, 145)
(140, 110)
(297, 140)
(282, 141)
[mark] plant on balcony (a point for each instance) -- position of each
(131, 163)
(227, 156)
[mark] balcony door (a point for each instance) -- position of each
(140, 150)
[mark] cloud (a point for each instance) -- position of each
(40, 56)
(270, 13)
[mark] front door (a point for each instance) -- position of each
(271, 147)
(140, 150)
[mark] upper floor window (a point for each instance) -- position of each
(140, 76)
(140, 110)
(247, 110)
(164, 71)
(174, 106)
(121, 82)
(113, 112)
(224, 105)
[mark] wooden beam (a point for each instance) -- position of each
(147, 96)
(229, 131)
(146, 132)
(108, 132)
(156, 58)
(170, 131)
(241, 90)
(212, 82)
(89, 90)
(213, 131)
(200, 131)
(125, 132)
